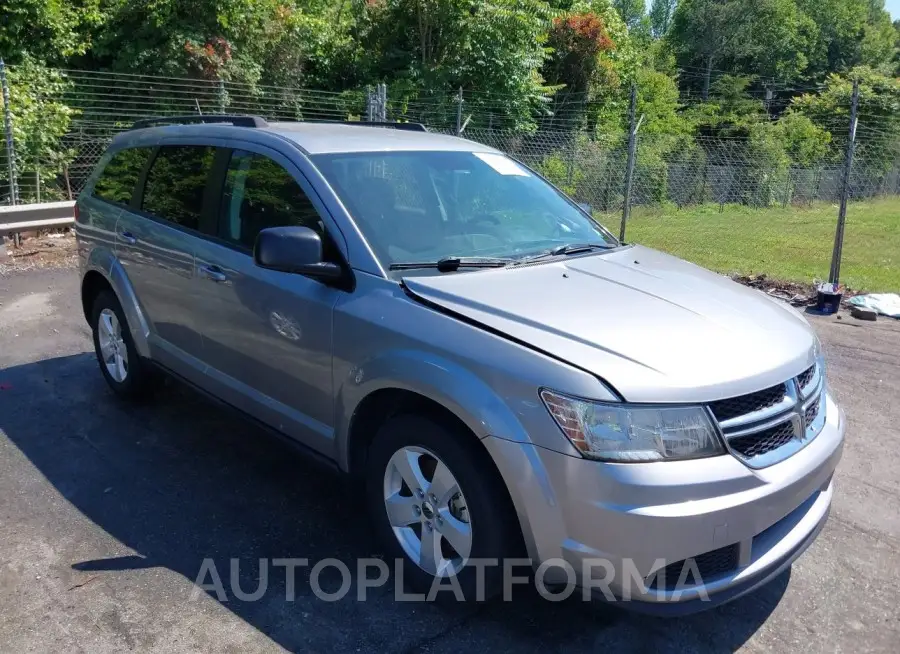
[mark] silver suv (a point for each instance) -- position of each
(439, 322)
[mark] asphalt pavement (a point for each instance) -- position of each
(108, 512)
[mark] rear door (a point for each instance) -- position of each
(101, 204)
(267, 334)
(155, 243)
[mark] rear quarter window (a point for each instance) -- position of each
(120, 175)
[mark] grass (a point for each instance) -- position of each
(792, 243)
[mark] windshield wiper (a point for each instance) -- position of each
(569, 248)
(452, 263)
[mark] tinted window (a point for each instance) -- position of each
(116, 182)
(259, 193)
(176, 183)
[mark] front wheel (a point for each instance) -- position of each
(437, 505)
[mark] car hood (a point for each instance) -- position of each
(654, 327)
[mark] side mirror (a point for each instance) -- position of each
(294, 250)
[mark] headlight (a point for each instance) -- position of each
(623, 433)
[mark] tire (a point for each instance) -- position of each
(127, 374)
(482, 502)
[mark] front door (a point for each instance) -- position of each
(266, 334)
(155, 243)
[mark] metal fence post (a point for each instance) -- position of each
(10, 143)
(629, 169)
(834, 276)
(10, 149)
(221, 96)
(370, 106)
(376, 104)
(459, 104)
(570, 167)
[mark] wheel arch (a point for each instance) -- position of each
(378, 407)
(424, 379)
(104, 271)
(92, 284)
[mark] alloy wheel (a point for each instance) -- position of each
(113, 350)
(427, 511)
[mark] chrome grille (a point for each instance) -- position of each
(708, 565)
(738, 406)
(761, 442)
(812, 412)
(806, 376)
(768, 426)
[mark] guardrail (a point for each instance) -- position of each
(25, 217)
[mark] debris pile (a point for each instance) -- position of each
(50, 250)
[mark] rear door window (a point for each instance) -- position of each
(118, 179)
(176, 183)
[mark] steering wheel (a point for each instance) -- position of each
(555, 223)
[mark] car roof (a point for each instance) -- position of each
(317, 138)
(320, 138)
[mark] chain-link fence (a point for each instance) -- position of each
(748, 204)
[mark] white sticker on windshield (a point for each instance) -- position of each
(503, 165)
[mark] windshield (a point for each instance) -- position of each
(425, 206)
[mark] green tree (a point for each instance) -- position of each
(661, 14)
(729, 111)
(878, 126)
(47, 30)
(631, 11)
(805, 143)
(251, 41)
(602, 99)
(577, 42)
(879, 104)
(897, 47)
(850, 33)
(495, 49)
(40, 120)
(768, 38)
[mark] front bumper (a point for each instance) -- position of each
(638, 518)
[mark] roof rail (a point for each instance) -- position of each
(236, 120)
(406, 127)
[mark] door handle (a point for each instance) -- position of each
(128, 237)
(213, 273)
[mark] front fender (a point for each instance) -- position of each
(103, 260)
(446, 382)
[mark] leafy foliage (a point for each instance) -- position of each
(769, 38)
(577, 41)
(703, 69)
(850, 33)
(661, 14)
(804, 142)
(631, 11)
(46, 30)
(787, 40)
(879, 104)
(416, 46)
(40, 119)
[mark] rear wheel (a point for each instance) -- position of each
(126, 373)
(437, 505)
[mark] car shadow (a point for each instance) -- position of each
(181, 481)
